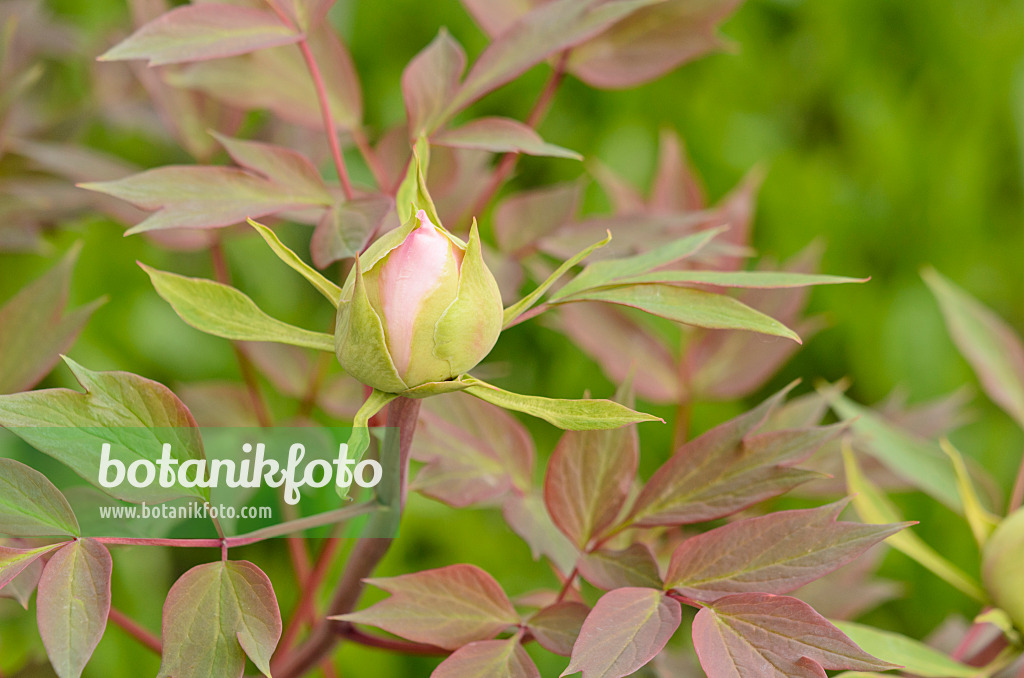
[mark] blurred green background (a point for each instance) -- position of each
(892, 130)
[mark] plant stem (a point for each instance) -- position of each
(135, 630)
(365, 556)
(350, 632)
(328, 116)
(304, 609)
(567, 585)
(508, 161)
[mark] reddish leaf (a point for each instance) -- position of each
(632, 566)
(14, 561)
(501, 135)
(347, 227)
(523, 217)
(73, 603)
(203, 197)
(541, 33)
(557, 627)
(651, 42)
(624, 631)
(758, 635)
(289, 169)
(203, 31)
(776, 553)
(214, 616)
(429, 82)
(728, 469)
(448, 607)
(851, 591)
(676, 187)
(488, 659)
(21, 587)
(528, 517)
(588, 479)
(496, 17)
(34, 329)
(987, 342)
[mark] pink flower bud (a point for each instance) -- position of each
(413, 271)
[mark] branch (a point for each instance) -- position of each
(135, 630)
(349, 632)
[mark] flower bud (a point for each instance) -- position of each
(420, 306)
(1003, 564)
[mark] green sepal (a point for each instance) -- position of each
(412, 193)
(359, 341)
(477, 307)
(570, 415)
(359, 440)
(434, 388)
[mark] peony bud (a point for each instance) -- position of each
(1001, 566)
(424, 309)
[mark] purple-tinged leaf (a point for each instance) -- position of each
(31, 506)
(651, 42)
(543, 32)
(609, 335)
(34, 329)
(776, 553)
(556, 627)
(676, 187)
(203, 197)
(225, 312)
(429, 82)
(588, 480)
(347, 228)
(305, 14)
(689, 307)
(118, 408)
(632, 566)
(728, 469)
(501, 135)
(448, 607)
(14, 561)
(488, 659)
(759, 635)
(278, 80)
(528, 517)
(474, 451)
(289, 169)
(988, 343)
(624, 197)
(214, 616)
(853, 590)
(203, 31)
(623, 632)
(496, 17)
(73, 603)
(522, 218)
(21, 587)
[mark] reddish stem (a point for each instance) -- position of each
(1017, 496)
(567, 585)
(328, 116)
(350, 632)
(304, 609)
(135, 630)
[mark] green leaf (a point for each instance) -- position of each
(914, 459)
(745, 279)
(34, 329)
(981, 520)
(570, 415)
(607, 272)
(412, 193)
(122, 409)
(31, 506)
(204, 31)
(225, 312)
(215, 615)
(690, 307)
(914, 656)
(524, 304)
(487, 659)
(874, 507)
(359, 439)
(990, 345)
(324, 286)
(73, 603)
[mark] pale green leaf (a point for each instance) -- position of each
(914, 656)
(30, 505)
(324, 286)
